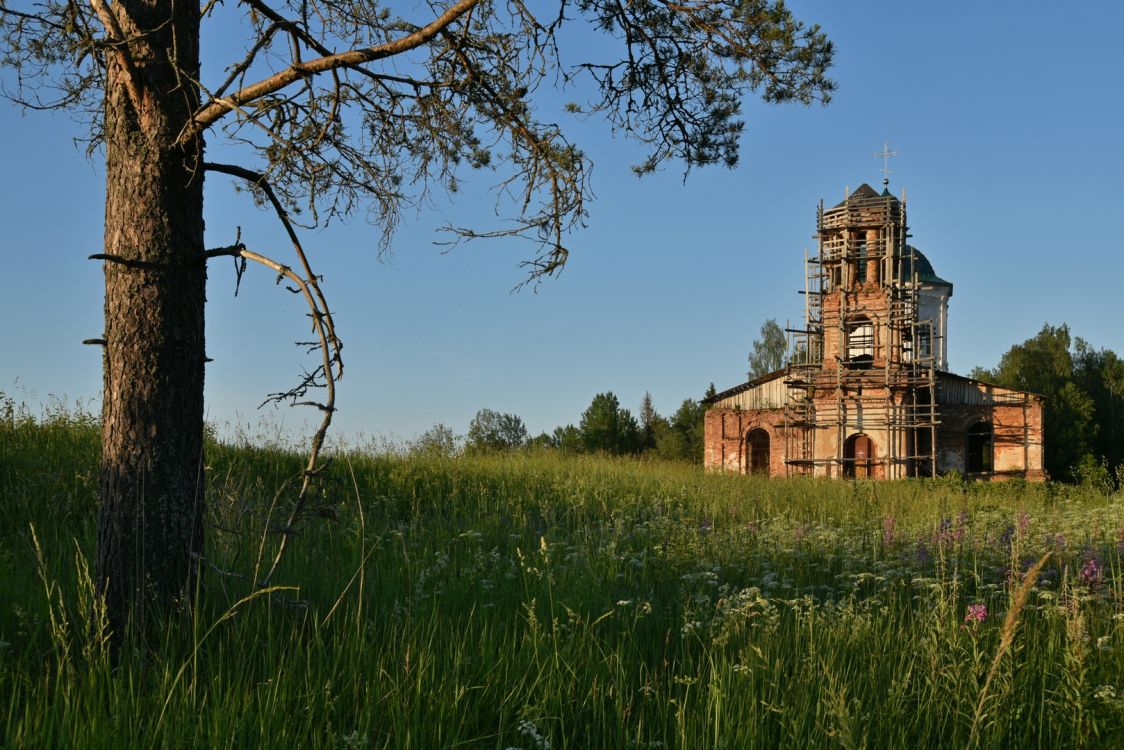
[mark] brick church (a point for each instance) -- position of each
(866, 391)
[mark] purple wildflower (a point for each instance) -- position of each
(1091, 572)
(1023, 521)
(923, 555)
(975, 614)
(888, 524)
(943, 534)
(958, 529)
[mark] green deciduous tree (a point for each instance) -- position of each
(607, 428)
(438, 440)
(768, 351)
(1100, 374)
(339, 107)
(542, 441)
(568, 439)
(683, 440)
(493, 431)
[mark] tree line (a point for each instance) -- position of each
(604, 427)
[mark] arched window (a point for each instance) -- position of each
(860, 341)
(757, 452)
(858, 457)
(980, 444)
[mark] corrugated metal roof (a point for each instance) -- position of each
(952, 383)
(744, 386)
(955, 389)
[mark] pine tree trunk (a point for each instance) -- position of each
(150, 517)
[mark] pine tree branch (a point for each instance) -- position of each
(214, 110)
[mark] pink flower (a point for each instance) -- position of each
(1091, 572)
(888, 524)
(975, 614)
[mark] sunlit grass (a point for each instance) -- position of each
(539, 600)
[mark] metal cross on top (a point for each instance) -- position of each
(885, 155)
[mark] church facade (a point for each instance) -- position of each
(866, 391)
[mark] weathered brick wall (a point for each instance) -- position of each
(869, 300)
(725, 438)
(1016, 441)
(1016, 429)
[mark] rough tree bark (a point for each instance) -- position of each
(150, 523)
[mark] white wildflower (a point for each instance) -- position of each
(530, 731)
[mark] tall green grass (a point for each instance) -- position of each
(535, 601)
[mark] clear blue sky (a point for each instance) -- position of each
(1007, 118)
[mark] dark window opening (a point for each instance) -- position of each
(861, 276)
(922, 397)
(757, 452)
(979, 450)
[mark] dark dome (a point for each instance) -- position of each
(925, 272)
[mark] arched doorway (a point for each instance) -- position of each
(757, 452)
(858, 455)
(979, 448)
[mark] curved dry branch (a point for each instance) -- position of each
(323, 325)
(258, 181)
(330, 360)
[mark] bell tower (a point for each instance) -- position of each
(861, 382)
(861, 315)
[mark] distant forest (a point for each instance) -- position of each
(604, 427)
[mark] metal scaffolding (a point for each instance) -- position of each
(862, 310)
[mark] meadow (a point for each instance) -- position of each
(537, 601)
